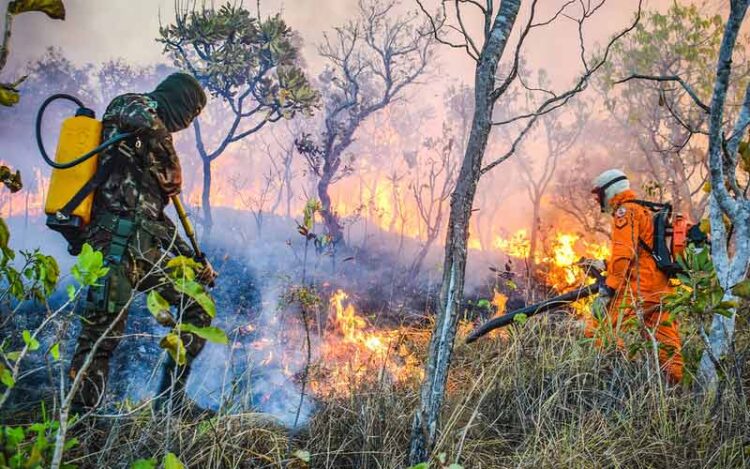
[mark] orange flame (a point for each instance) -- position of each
(557, 259)
(351, 354)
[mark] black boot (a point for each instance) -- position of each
(171, 395)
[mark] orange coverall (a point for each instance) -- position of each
(633, 275)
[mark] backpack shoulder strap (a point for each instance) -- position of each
(653, 206)
(91, 185)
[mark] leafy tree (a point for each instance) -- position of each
(252, 66)
(659, 116)
(432, 190)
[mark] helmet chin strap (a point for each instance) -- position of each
(601, 192)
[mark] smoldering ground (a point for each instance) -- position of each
(263, 369)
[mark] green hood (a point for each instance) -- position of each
(180, 99)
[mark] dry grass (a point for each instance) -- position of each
(538, 396)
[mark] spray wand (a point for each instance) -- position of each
(190, 232)
(188, 227)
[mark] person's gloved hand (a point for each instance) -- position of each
(207, 275)
(597, 264)
(600, 305)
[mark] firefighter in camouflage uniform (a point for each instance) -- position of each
(130, 228)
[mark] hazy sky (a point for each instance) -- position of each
(98, 30)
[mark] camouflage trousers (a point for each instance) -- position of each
(140, 269)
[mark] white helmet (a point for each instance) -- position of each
(608, 184)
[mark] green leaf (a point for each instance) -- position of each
(89, 267)
(144, 464)
(156, 304)
(6, 377)
(172, 462)
(8, 96)
(160, 309)
(302, 455)
(520, 319)
(742, 289)
(14, 435)
(312, 206)
(30, 342)
(183, 268)
(4, 234)
(71, 292)
(422, 465)
(210, 333)
(13, 356)
(484, 303)
(52, 8)
(71, 443)
(196, 291)
(55, 351)
(172, 343)
(49, 272)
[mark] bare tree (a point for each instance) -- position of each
(257, 201)
(572, 195)
(559, 137)
(431, 192)
(498, 22)
(371, 61)
(283, 167)
(115, 77)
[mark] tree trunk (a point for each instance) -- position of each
(289, 190)
(729, 272)
(729, 269)
(330, 219)
(258, 223)
(208, 220)
(534, 236)
(416, 265)
(425, 425)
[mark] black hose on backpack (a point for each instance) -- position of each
(40, 115)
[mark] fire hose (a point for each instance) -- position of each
(544, 306)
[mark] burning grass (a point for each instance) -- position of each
(556, 262)
(536, 396)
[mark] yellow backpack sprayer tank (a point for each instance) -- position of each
(78, 135)
(76, 172)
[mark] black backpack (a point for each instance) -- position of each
(668, 234)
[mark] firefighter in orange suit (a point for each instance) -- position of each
(634, 283)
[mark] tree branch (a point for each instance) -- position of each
(690, 91)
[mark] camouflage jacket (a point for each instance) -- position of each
(144, 171)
